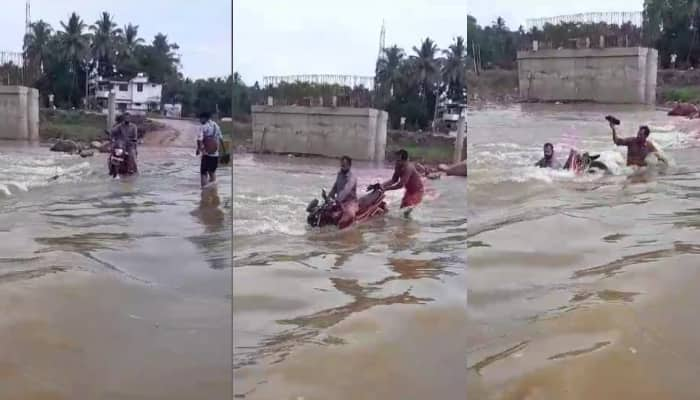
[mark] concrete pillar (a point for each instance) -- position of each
(380, 137)
(270, 101)
(33, 114)
(320, 101)
(602, 42)
(334, 101)
(111, 110)
(459, 141)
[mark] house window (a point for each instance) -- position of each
(123, 87)
(139, 87)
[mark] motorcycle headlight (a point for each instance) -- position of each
(118, 152)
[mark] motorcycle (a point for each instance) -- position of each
(329, 212)
(120, 162)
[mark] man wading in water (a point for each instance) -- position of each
(208, 144)
(638, 148)
(548, 161)
(406, 176)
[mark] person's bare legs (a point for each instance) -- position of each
(212, 177)
(204, 180)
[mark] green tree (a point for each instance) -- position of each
(36, 49)
(455, 70)
(75, 45)
(104, 46)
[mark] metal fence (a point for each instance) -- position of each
(318, 90)
(352, 81)
(611, 18)
(12, 71)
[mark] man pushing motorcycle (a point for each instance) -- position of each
(406, 176)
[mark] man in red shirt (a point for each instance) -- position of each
(406, 176)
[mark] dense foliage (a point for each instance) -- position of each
(58, 62)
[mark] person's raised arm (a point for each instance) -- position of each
(618, 140)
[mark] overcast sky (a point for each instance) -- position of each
(284, 37)
(516, 12)
(202, 28)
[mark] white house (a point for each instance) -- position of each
(137, 96)
(172, 110)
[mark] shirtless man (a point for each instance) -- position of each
(406, 176)
(638, 148)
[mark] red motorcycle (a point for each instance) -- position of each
(328, 213)
(121, 162)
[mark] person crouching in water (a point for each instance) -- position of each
(406, 176)
(208, 145)
(345, 193)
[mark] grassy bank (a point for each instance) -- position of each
(83, 127)
(71, 125)
(422, 147)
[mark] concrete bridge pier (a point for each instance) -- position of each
(19, 113)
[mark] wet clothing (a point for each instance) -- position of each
(637, 150)
(208, 165)
(345, 187)
(412, 182)
(548, 163)
(127, 133)
(211, 129)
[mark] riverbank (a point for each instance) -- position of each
(423, 147)
(501, 87)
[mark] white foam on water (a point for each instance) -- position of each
(23, 172)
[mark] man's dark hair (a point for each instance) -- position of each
(548, 145)
(402, 154)
(348, 159)
(645, 129)
(204, 115)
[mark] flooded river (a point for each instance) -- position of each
(581, 287)
(373, 312)
(113, 289)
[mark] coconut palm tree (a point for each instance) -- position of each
(75, 45)
(105, 43)
(129, 44)
(427, 66)
(455, 69)
(388, 73)
(36, 48)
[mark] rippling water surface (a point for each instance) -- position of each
(581, 285)
(144, 262)
(377, 311)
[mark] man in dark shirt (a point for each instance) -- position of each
(638, 148)
(345, 192)
(126, 132)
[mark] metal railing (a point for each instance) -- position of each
(352, 81)
(611, 18)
